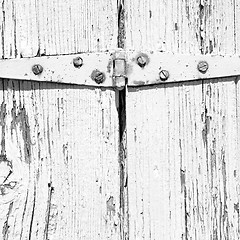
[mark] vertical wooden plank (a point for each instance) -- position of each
(183, 138)
(182, 161)
(155, 204)
(182, 26)
(59, 147)
(59, 169)
(34, 28)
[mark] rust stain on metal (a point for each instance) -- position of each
(139, 82)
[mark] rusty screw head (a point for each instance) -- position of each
(164, 75)
(97, 76)
(142, 61)
(37, 69)
(77, 62)
(202, 66)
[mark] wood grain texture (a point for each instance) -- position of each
(183, 139)
(59, 170)
(183, 26)
(34, 28)
(183, 170)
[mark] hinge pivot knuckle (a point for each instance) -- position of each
(119, 69)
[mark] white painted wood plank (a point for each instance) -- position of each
(189, 131)
(207, 27)
(61, 144)
(182, 161)
(34, 28)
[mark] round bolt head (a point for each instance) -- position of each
(142, 61)
(164, 75)
(37, 69)
(97, 76)
(202, 66)
(77, 62)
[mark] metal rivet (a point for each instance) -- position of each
(164, 75)
(202, 66)
(37, 69)
(97, 76)
(77, 62)
(142, 61)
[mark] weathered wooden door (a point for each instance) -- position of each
(82, 159)
(183, 138)
(59, 169)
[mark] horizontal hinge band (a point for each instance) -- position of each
(114, 69)
(166, 67)
(92, 69)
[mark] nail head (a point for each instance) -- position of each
(98, 76)
(77, 62)
(37, 69)
(202, 66)
(141, 61)
(164, 75)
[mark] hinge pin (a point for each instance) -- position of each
(119, 70)
(37, 69)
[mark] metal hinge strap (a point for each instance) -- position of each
(120, 68)
(91, 69)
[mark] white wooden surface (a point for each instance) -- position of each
(61, 144)
(31, 28)
(59, 170)
(208, 27)
(183, 138)
(183, 170)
